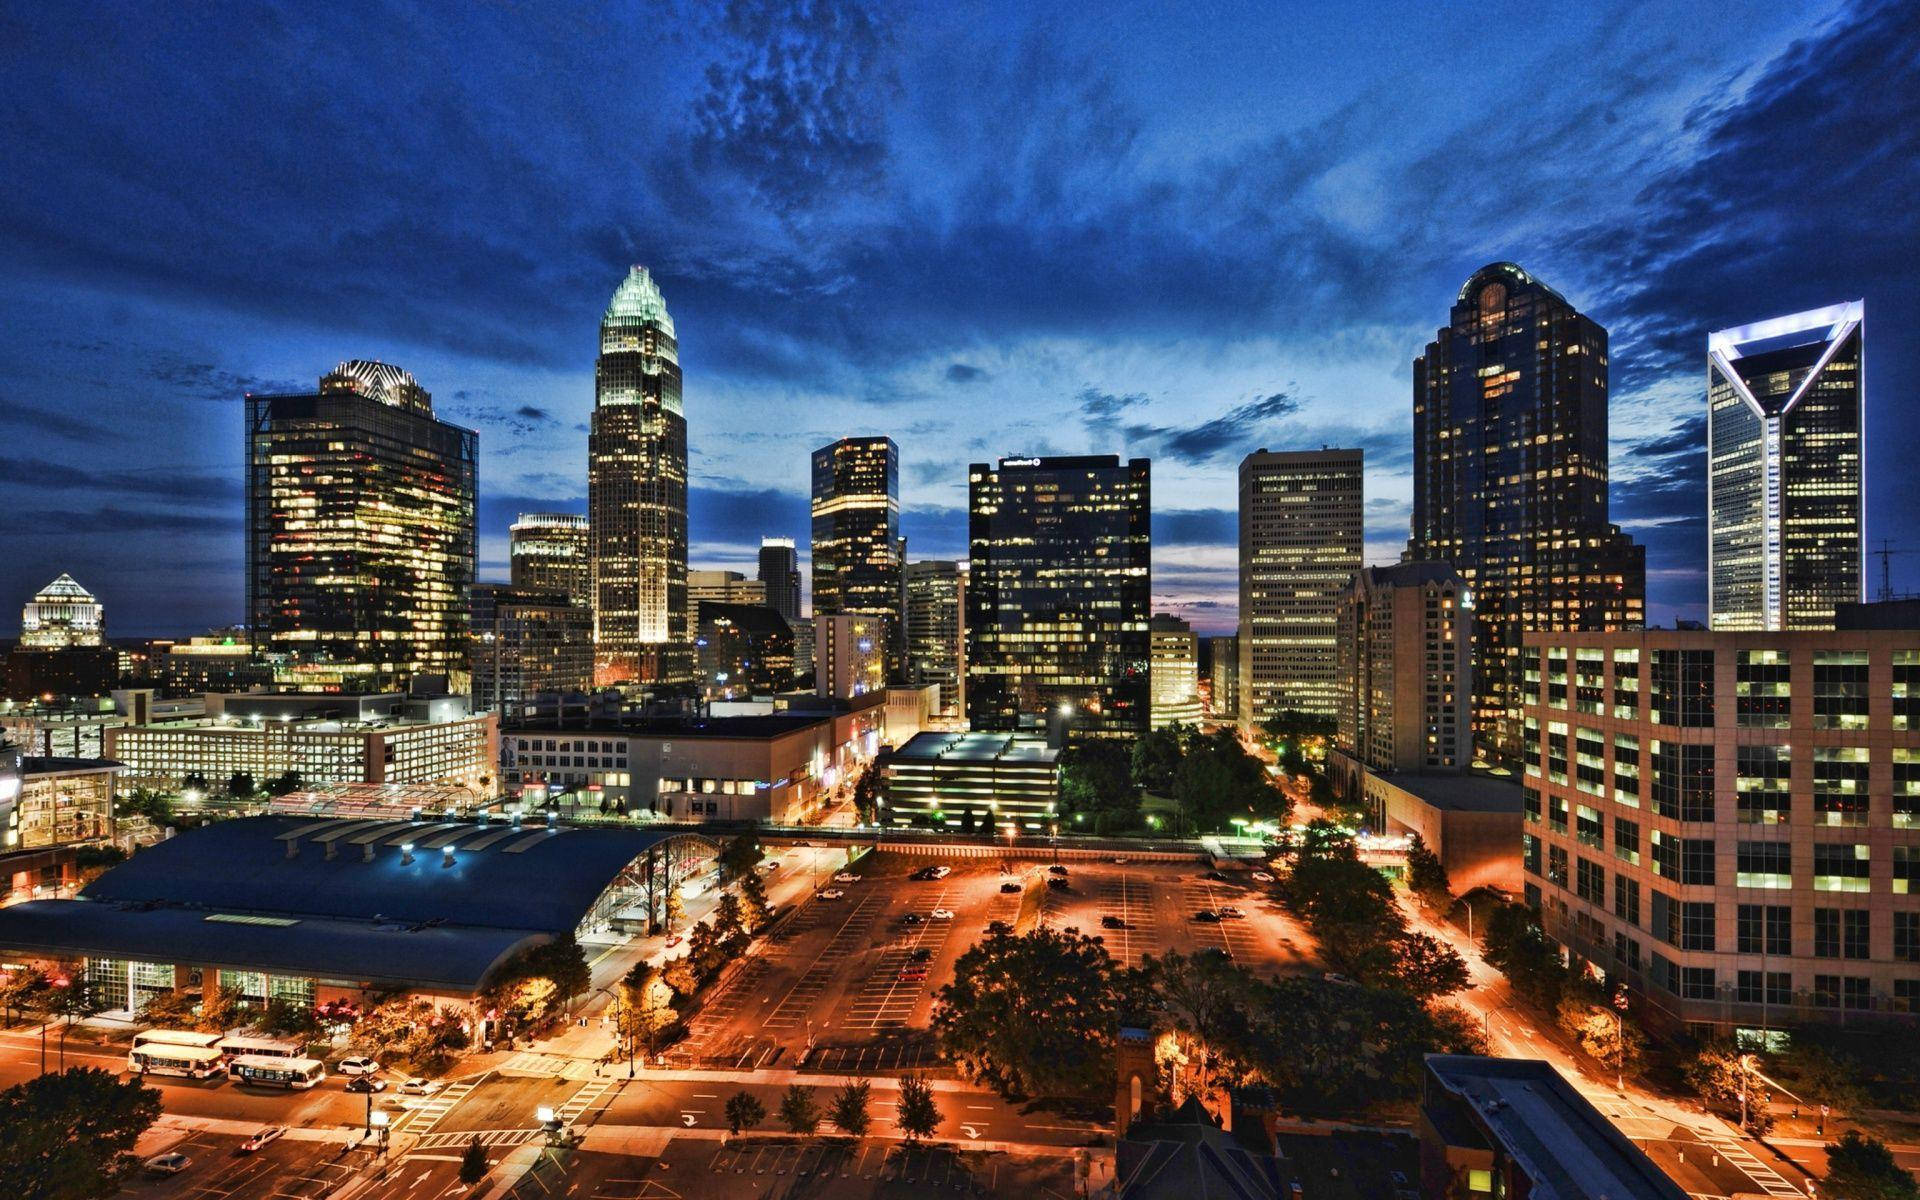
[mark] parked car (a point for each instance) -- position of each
(359, 1065)
(920, 954)
(1262, 877)
(1119, 862)
(1112, 922)
(1216, 876)
(1059, 885)
(673, 939)
(913, 974)
(923, 873)
(168, 1164)
(999, 927)
(846, 877)
(832, 894)
(1207, 915)
(941, 914)
(1057, 869)
(1011, 887)
(419, 1087)
(1230, 913)
(364, 1084)
(271, 1133)
(939, 872)
(911, 919)
(1337, 977)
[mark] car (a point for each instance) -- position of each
(912, 919)
(359, 1064)
(1011, 887)
(941, 914)
(1207, 915)
(913, 974)
(168, 1164)
(832, 894)
(920, 954)
(419, 1087)
(1262, 877)
(1119, 862)
(1059, 885)
(271, 1133)
(673, 939)
(1216, 876)
(999, 927)
(1230, 913)
(1057, 869)
(939, 872)
(1112, 922)
(846, 877)
(772, 864)
(366, 1085)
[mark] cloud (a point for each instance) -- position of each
(1196, 526)
(205, 381)
(166, 482)
(113, 519)
(532, 413)
(36, 420)
(964, 373)
(1207, 440)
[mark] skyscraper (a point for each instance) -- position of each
(780, 573)
(1057, 593)
(1405, 636)
(360, 533)
(550, 553)
(1510, 480)
(856, 537)
(526, 643)
(1175, 672)
(1301, 532)
(1786, 482)
(637, 493)
(936, 652)
(60, 615)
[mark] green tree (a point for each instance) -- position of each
(1330, 1047)
(562, 963)
(69, 1134)
(744, 1111)
(738, 858)
(240, 785)
(1614, 1043)
(1156, 755)
(1096, 776)
(1860, 1167)
(798, 1112)
(1720, 1075)
(151, 803)
(1426, 968)
(644, 1006)
(869, 794)
(280, 785)
(754, 909)
(918, 1117)
(1202, 999)
(729, 920)
(22, 991)
(850, 1109)
(473, 1163)
(178, 1009)
(283, 1018)
(1514, 943)
(1032, 1014)
(1427, 878)
(1822, 1076)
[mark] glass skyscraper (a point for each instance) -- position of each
(856, 537)
(1058, 587)
(1786, 479)
(549, 553)
(1510, 480)
(360, 533)
(780, 572)
(637, 494)
(936, 653)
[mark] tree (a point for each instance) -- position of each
(754, 909)
(240, 785)
(280, 785)
(1602, 1031)
(869, 794)
(738, 858)
(850, 1109)
(473, 1163)
(673, 908)
(179, 1009)
(744, 1111)
(1333, 1047)
(918, 1117)
(1203, 999)
(70, 1000)
(798, 1112)
(284, 1017)
(1427, 878)
(728, 922)
(1720, 1075)
(1514, 943)
(1426, 968)
(70, 1133)
(22, 991)
(1096, 776)
(560, 963)
(156, 806)
(1032, 1014)
(1861, 1167)
(411, 1030)
(644, 1005)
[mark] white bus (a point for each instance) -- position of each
(269, 1070)
(234, 1047)
(161, 1058)
(176, 1037)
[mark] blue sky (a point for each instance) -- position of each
(1183, 231)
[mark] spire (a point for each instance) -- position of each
(638, 300)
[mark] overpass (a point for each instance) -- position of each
(947, 843)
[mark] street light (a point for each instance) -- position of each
(1490, 1014)
(549, 1121)
(378, 1121)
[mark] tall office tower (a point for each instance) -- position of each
(849, 655)
(1786, 482)
(856, 537)
(1057, 592)
(1302, 529)
(60, 615)
(802, 651)
(1175, 656)
(360, 533)
(936, 650)
(526, 643)
(1224, 699)
(743, 651)
(780, 574)
(1510, 480)
(550, 553)
(1406, 668)
(722, 587)
(637, 494)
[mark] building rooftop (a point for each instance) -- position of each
(757, 726)
(1557, 1138)
(1477, 790)
(67, 766)
(975, 748)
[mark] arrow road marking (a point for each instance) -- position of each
(970, 1131)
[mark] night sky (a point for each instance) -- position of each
(1182, 231)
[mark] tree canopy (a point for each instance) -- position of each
(69, 1134)
(1860, 1167)
(1032, 1014)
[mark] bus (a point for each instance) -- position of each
(272, 1070)
(161, 1058)
(234, 1047)
(176, 1037)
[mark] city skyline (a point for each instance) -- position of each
(1044, 332)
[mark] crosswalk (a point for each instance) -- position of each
(1769, 1180)
(582, 1100)
(459, 1139)
(529, 1062)
(436, 1106)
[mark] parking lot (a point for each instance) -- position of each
(293, 1170)
(848, 984)
(827, 1169)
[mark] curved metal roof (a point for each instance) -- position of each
(496, 877)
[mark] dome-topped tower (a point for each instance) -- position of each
(60, 615)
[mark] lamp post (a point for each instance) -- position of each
(1490, 1015)
(549, 1121)
(378, 1121)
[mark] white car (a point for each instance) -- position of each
(419, 1087)
(940, 872)
(941, 914)
(359, 1065)
(168, 1164)
(832, 894)
(1262, 877)
(846, 877)
(271, 1133)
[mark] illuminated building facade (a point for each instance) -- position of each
(528, 642)
(360, 533)
(1301, 532)
(550, 552)
(1175, 666)
(856, 538)
(1728, 822)
(936, 643)
(1059, 559)
(1510, 480)
(1223, 698)
(61, 615)
(1786, 484)
(780, 576)
(637, 494)
(720, 587)
(743, 651)
(849, 655)
(1405, 635)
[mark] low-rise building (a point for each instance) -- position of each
(49, 808)
(1471, 820)
(973, 779)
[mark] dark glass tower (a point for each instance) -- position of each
(1786, 477)
(780, 572)
(856, 536)
(1510, 480)
(360, 533)
(1057, 594)
(637, 494)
